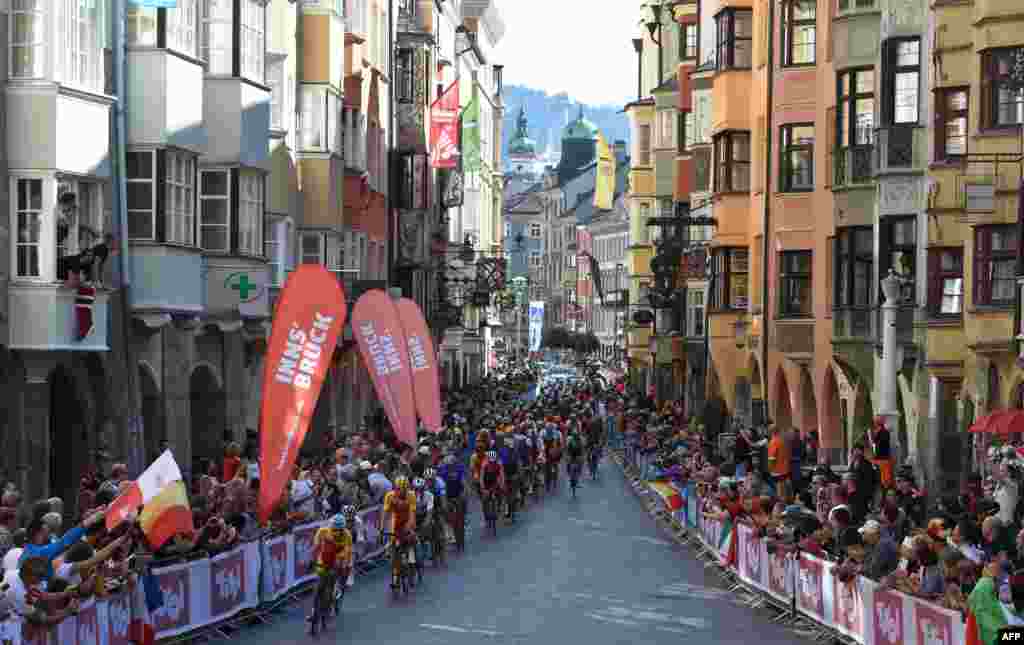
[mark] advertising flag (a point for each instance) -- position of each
(444, 129)
(604, 189)
(426, 383)
(383, 347)
(308, 320)
(471, 134)
(536, 324)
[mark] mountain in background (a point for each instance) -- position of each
(548, 114)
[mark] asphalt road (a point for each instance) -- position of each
(596, 571)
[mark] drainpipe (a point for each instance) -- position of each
(391, 228)
(767, 219)
(136, 439)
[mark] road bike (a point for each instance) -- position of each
(491, 504)
(404, 551)
(574, 468)
(327, 600)
(457, 520)
(595, 459)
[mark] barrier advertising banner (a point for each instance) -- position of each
(308, 319)
(385, 352)
(426, 382)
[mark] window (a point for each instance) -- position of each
(951, 124)
(898, 251)
(797, 158)
(687, 133)
(1002, 101)
(214, 209)
(252, 37)
(902, 80)
(946, 281)
(665, 130)
(695, 313)
(688, 42)
(180, 197)
(732, 157)
(141, 189)
(795, 284)
(29, 222)
(81, 33)
(854, 267)
(856, 113)
(535, 258)
(218, 36)
(312, 251)
(79, 227)
(702, 170)
(406, 75)
(734, 29)
(250, 211)
(27, 34)
(535, 230)
(731, 271)
(321, 110)
(273, 249)
(275, 81)
(995, 258)
(644, 145)
(799, 32)
(182, 27)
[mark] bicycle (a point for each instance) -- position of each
(574, 468)
(457, 520)
(326, 600)
(491, 512)
(400, 550)
(595, 459)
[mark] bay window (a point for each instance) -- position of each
(995, 260)
(218, 37)
(688, 40)
(275, 81)
(81, 36)
(79, 225)
(734, 29)
(731, 276)
(274, 244)
(732, 158)
(951, 107)
(795, 284)
(250, 211)
(946, 281)
(319, 128)
(142, 26)
(797, 171)
(856, 113)
(405, 72)
(665, 130)
(902, 74)
(183, 28)
(29, 217)
(27, 34)
(141, 189)
(854, 267)
(180, 197)
(643, 145)
(695, 312)
(1002, 100)
(898, 250)
(311, 248)
(799, 32)
(252, 39)
(214, 210)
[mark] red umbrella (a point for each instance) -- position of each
(987, 423)
(1011, 421)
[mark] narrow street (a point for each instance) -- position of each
(596, 570)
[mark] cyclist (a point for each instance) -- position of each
(332, 558)
(574, 449)
(492, 479)
(552, 452)
(358, 531)
(509, 457)
(424, 522)
(453, 473)
(400, 507)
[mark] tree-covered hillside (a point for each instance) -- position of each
(547, 115)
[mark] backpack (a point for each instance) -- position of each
(490, 475)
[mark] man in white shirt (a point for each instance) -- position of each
(302, 497)
(380, 485)
(23, 590)
(11, 557)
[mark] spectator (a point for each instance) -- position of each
(993, 539)
(24, 593)
(232, 461)
(40, 546)
(11, 558)
(965, 537)
(882, 555)
(778, 459)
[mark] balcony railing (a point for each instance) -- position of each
(852, 166)
(898, 148)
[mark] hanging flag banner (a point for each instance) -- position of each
(385, 352)
(426, 383)
(536, 324)
(308, 319)
(471, 134)
(604, 189)
(444, 129)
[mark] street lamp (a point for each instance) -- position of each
(653, 24)
(638, 47)
(892, 288)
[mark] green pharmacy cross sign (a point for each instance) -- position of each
(248, 291)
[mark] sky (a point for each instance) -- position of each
(582, 47)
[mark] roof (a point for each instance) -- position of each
(581, 129)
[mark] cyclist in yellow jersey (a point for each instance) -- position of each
(400, 518)
(332, 561)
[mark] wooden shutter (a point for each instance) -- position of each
(934, 281)
(888, 81)
(988, 74)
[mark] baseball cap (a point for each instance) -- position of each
(870, 525)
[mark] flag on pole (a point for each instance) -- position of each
(471, 134)
(444, 129)
(160, 492)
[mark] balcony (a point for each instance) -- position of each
(166, 280)
(167, 94)
(355, 20)
(794, 337)
(852, 166)
(237, 118)
(42, 317)
(900, 148)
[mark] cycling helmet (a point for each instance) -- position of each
(424, 450)
(450, 459)
(429, 474)
(365, 465)
(492, 455)
(348, 510)
(418, 483)
(402, 482)
(338, 522)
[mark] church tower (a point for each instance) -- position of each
(579, 147)
(522, 150)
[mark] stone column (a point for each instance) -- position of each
(236, 393)
(35, 425)
(179, 357)
(889, 386)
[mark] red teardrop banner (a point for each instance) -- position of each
(426, 383)
(308, 320)
(385, 352)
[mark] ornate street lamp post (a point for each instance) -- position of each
(892, 288)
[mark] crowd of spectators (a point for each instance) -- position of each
(870, 516)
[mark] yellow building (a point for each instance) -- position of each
(973, 199)
(642, 205)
